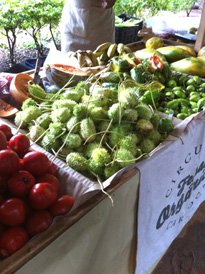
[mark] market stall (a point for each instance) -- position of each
(115, 226)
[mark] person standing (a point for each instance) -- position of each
(87, 24)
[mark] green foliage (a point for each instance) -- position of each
(32, 16)
(40, 13)
(10, 21)
(149, 7)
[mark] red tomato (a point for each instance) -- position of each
(42, 195)
(38, 222)
(12, 212)
(19, 143)
(20, 183)
(20, 164)
(2, 228)
(62, 206)
(3, 184)
(2, 200)
(51, 179)
(3, 141)
(7, 131)
(9, 162)
(53, 169)
(36, 162)
(12, 239)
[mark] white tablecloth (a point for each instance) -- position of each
(102, 242)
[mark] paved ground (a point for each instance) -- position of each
(174, 22)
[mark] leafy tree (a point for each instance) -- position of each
(52, 13)
(37, 14)
(34, 21)
(10, 21)
(138, 7)
(32, 16)
(177, 5)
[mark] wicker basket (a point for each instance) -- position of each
(127, 35)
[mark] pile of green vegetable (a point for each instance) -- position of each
(114, 118)
(96, 128)
(183, 96)
(165, 90)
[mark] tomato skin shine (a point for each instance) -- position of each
(50, 178)
(20, 144)
(42, 195)
(12, 212)
(38, 222)
(20, 183)
(7, 131)
(3, 141)
(62, 206)
(12, 239)
(36, 162)
(9, 162)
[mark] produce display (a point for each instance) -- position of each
(96, 128)
(29, 192)
(100, 56)
(109, 111)
(102, 121)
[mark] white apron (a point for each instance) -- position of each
(85, 25)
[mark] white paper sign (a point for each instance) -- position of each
(172, 186)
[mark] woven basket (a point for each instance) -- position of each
(127, 35)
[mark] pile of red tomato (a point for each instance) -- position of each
(29, 192)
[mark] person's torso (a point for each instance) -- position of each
(84, 3)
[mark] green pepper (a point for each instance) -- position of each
(171, 83)
(194, 98)
(193, 93)
(197, 79)
(170, 94)
(202, 85)
(179, 93)
(151, 97)
(201, 103)
(193, 104)
(190, 88)
(182, 116)
(194, 110)
(200, 90)
(184, 102)
(190, 82)
(184, 110)
(174, 104)
(183, 79)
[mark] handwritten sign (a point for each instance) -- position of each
(172, 186)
